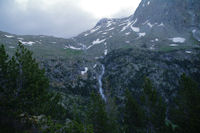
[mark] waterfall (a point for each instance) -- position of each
(100, 83)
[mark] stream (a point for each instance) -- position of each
(100, 82)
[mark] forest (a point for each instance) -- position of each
(29, 105)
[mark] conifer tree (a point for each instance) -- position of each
(97, 115)
(24, 89)
(186, 114)
(133, 115)
(3, 67)
(31, 83)
(154, 108)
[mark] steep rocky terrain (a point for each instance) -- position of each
(161, 40)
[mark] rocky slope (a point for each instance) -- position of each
(161, 40)
(156, 25)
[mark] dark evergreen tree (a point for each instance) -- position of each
(186, 114)
(31, 84)
(97, 115)
(24, 89)
(3, 76)
(154, 108)
(134, 120)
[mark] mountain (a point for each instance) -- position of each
(160, 40)
(156, 25)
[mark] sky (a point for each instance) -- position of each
(60, 18)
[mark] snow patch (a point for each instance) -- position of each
(156, 39)
(72, 47)
(98, 41)
(125, 27)
(178, 39)
(150, 25)
(105, 33)
(128, 33)
(109, 24)
(85, 71)
(135, 29)
(110, 29)
(134, 21)
(95, 66)
(161, 24)
(8, 36)
(122, 24)
(188, 52)
(193, 31)
(148, 2)
(127, 41)
(105, 51)
(86, 34)
(95, 29)
(145, 22)
(152, 47)
(142, 34)
(173, 45)
(30, 43)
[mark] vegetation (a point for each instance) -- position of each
(28, 105)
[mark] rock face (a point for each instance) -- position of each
(161, 40)
(155, 25)
(128, 68)
(181, 14)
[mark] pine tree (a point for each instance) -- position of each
(154, 108)
(24, 89)
(133, 115)
(3, 74)
(186, 114)
(31, 83)
(97, 115)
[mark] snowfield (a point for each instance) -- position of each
(178, 39)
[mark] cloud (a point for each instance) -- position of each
(62, 18)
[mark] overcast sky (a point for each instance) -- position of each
(61, 18)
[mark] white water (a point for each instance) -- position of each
(100, 83)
